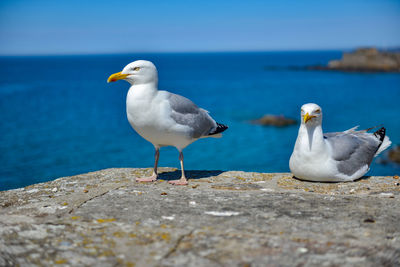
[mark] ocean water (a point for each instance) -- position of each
(59, 117)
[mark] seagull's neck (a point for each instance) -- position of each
(147, 90)
(311, 138)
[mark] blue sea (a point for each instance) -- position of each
(59, 117)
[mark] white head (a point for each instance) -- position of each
(137, 72)
(311, 114)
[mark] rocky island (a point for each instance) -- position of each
(366, 60)
(361, 60)
(274, 120)
(394, 154)
(232, 218)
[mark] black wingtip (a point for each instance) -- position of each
(220, 128)
(380, 134)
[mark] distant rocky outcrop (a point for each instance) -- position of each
(361, 60)
(367, 59)
(394, 154)
(274, 120)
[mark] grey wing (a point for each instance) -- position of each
(187, 113)
(353, 150)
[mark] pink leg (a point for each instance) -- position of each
(154, 176)
(183, 180)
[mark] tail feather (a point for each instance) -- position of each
(381, 135)
(369, 129)
(219, 129)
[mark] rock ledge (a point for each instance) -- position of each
(230, 218)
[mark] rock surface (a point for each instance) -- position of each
(274, 120)
(231, 218)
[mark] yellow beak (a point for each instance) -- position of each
(117, 76)
(308, 117)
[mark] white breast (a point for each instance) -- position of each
(148, 113)
(314, 162)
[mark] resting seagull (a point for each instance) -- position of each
(333, 157)
(161, 117)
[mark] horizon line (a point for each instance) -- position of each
(196, 51)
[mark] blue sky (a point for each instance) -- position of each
(90, 27)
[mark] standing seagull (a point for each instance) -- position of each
(333, 157)
(161, 117)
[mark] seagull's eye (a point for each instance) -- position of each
(302, 111)
(317, 111)
(136, 68)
